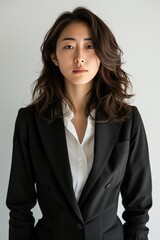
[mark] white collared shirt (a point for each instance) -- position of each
(80, 154)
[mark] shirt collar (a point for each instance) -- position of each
(68, 114)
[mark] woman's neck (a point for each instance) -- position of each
(78, 95)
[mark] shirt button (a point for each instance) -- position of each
(79, 226)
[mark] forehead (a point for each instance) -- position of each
(75, 29)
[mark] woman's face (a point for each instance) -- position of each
(75, 55)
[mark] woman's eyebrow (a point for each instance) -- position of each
(73, 39)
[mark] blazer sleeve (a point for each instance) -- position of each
(21, 196)
(136, 186)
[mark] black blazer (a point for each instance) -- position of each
(40, 170)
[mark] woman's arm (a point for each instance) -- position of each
(21, 195)
(136, 186)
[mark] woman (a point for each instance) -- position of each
(80, 143)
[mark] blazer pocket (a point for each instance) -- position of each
(121, 147)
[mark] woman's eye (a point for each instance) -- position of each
(68, 47)
(90, 46)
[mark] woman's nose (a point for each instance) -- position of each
(79, 58)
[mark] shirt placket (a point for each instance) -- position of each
(82, 169)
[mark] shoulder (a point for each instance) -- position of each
(137, 126)
(25, 122)
(133, 123)
(136, 116)
(27, 111)
(135, 111)
(25, 115)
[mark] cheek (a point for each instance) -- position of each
(64, 61)
(59, 58)
(96, 64)
(64, 67)
(95, 60)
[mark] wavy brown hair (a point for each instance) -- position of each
(110, 85)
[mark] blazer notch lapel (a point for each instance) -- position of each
(54, 141)
(105, 138)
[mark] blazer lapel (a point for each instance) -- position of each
(54, 141)
(105, 137)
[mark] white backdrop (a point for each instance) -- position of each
(23, 25)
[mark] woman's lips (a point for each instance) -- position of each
(80, 70)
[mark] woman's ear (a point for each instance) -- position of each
(54, 59)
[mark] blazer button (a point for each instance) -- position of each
(107, 186)
(79, 226)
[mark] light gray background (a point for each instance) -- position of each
(23, 25)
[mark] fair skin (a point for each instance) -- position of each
(77, 61)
